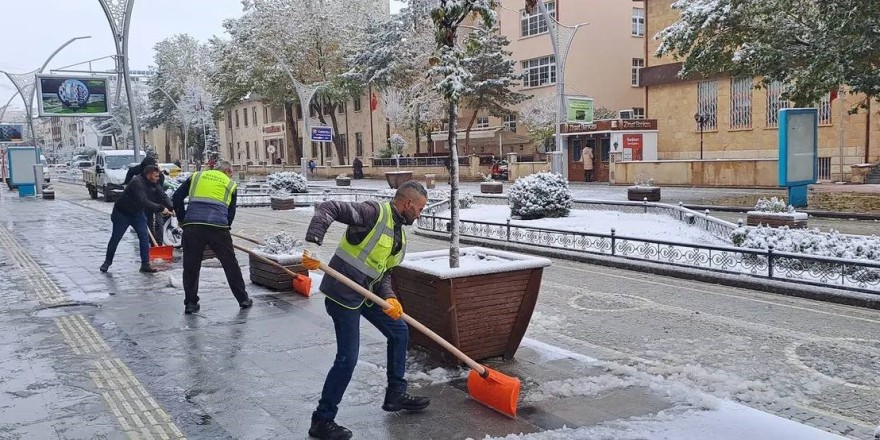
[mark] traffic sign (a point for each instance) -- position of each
(322, 134)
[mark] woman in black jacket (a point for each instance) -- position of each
(129, 211)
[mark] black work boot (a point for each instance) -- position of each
(328, 430)
(396, 402)
(105, 266)
(189, 309)
(146, 268)
(246, 303)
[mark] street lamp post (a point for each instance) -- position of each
(701, 121)
(118, 14)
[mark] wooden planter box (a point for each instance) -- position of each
(797, 220)
(267, 275)
(282, 204)
(640, 193)
(343, 182)
(491, 187)
(397, 178)
(484, 313)
(48, 194)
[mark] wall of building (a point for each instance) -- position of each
(723, 173)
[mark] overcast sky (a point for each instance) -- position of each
(33, 29)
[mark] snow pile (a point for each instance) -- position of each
(286, 183)
(473, 261)
(281, 247)
(540, 195)
(773, 204)
(580, 386)
(808, 241)
(465, 198)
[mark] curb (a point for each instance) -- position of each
(811, 212)
(744, 281)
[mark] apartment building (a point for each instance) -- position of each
(741, 119)
(603, 62)
(257, 133)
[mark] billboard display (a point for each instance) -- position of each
(579, 109)
(62, 95)
(11, 133)
(798, 146)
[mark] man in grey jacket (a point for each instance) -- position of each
(373, 244)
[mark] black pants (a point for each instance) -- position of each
(195, 238)
(156, 223)
(588, 175)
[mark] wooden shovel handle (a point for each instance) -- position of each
(153, 239)
(266, 260)
(252, 240)
(408, 319)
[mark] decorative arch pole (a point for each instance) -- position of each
(118, 14)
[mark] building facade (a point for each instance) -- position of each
(740, 116)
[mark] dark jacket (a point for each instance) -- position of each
(360, 218)
(139, 196)
(139, 169)
(182, 193)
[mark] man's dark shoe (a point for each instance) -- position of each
(105, 266)
(146, 268)
(397, 402)
(246, 303)
(189, 309)
(328, 430)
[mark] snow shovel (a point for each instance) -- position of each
(302, 284)
(157, 252)
(485, 385)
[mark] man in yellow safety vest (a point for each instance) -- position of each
(206, 222)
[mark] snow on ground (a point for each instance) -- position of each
(648, 226)
(729, 421)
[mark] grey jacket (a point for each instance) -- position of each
(361, 218)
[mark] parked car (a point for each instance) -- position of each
(170, 169)
(108, 175)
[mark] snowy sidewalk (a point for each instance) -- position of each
(257, 373)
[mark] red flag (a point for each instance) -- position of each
(374, 102)
(833, 95)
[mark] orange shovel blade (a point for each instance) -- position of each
(497, 391)
(162, 253)
(302, 285)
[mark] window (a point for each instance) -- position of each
(483, 122)
(314, 149)
(231, 151)
(229, 119)
(638, 113)
(312, 111)
(236, 119)
(824, 107)
(358, 144)
(342, 108)
(510, 122)
(774, 103)
(534, 24)
(539, 71)
(265, 114)
(245, 113)
(638, 22)
(707, 104)
(637, 65)
(238, 149)
(299, 112)
(247, 150)
(343, 142)
(357, 104)
(254, 113)
(740, 103)
(329, 148)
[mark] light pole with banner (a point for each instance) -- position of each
(118, 14)
(305, 92)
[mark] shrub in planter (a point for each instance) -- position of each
(539, 195)
(490, 186)
(287, 182)
(774, 212)
(643, 189)
(343, 180)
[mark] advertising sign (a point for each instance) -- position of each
(798, 152)
(10, 133)
(61, 95)
(322, 134)
(633, 143)
(579, 109)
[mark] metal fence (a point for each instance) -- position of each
(862, 276)
(430, 161)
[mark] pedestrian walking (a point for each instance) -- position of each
(129, 211)
(587, 159)
(312, 166)
(357, 168)
(372, 245)
(206, 222)
(153, 223)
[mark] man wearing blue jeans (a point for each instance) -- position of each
(129, 211)
(373, 244)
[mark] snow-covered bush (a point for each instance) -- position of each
(486, 177)
(281, 247)
(465, 198)
(808, 241)
(287, 182)
(342, 176)
(642, 182)
(539, 195)
(773, 204)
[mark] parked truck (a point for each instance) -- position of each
(108, 174)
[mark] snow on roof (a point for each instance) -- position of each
(473, 261)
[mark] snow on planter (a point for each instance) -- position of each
(473, 261)
(282, 248)
(539, 195)
(774, 212)
(286, 183)
(809, 241)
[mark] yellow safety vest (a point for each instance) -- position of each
(211, 186)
